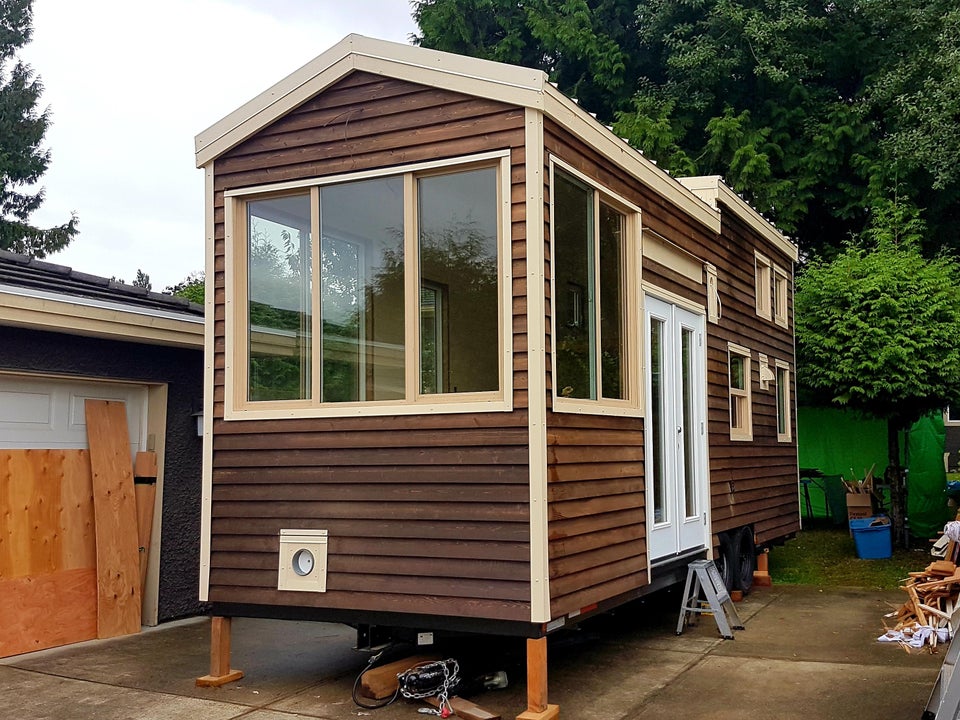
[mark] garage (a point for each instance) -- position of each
(67, 337)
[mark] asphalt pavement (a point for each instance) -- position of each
(805, 653)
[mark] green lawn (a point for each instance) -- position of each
(828, 557)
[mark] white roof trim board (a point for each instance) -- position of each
(480, 78)
(711, 189)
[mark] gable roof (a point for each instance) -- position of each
(471, 76)
(43, 295)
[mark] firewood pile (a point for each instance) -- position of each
(925, 619)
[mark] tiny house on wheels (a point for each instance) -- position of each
(473, 362)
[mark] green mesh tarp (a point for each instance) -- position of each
(840, 443)
(926, 503)
(833, 442)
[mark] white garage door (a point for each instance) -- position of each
(46, 413)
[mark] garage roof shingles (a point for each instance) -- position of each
(25, 272)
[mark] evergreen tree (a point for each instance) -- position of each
(22, 127)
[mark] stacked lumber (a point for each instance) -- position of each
(860, 487)
(932, 597)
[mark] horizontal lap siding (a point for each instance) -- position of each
(597, 530)
(752, 483)
(425, 514)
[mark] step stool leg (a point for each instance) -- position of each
(686, 602)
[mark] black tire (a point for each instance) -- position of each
(726, 560)
(746, 560)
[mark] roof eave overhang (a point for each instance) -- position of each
(53, 312)
(509, 84)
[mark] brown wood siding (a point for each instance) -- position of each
(597, 522)
(597, 543)
(425, 514)
(752, 482)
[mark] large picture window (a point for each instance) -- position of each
(592, 291)
(383, 290)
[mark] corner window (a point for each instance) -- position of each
(741, 419)
(383, 290)
(784, 424)
(593, 285)
(763, 271)
(780, 289)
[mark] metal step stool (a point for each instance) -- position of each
(703, 575)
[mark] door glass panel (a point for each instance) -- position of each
(657, 397)
(689, 429)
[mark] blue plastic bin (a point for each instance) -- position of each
(873, 541)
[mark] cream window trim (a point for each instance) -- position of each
(236, 366)
(391, 171)
(763, 276)
(671, 297)
(787, 436)
(740, 398)
(633, 303)
(947, 421)
(672, 256)
(781, 284)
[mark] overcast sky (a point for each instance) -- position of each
(130, 84)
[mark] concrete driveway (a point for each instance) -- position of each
(805, 654)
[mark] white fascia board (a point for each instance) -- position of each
(23, 307)
(567, 113)
(713, 190)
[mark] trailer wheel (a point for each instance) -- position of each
(746, 560)
(727, 560)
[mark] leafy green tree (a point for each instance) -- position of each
(815, 111)
(589, 47)
(190, 288)
(22, 127)
(877, 333)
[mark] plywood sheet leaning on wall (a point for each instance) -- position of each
(115, 510)
(48, 577)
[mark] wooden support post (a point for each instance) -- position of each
(761, 576)
(220, 672)
(537, 707)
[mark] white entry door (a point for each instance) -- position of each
(675, 430)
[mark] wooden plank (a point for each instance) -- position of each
(465, 709)
(47, 610)
(145, 464)
(220, 670)
(76, 498)
(537, 674)
(118, 565)
(146, 495)
(381, 682)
